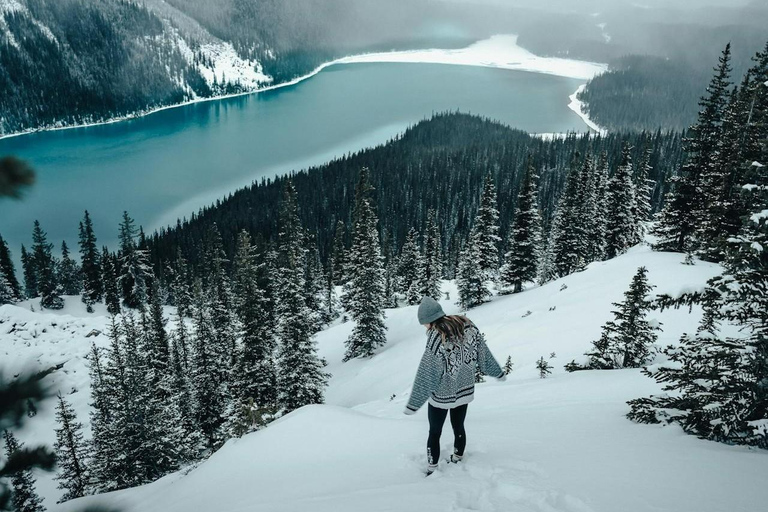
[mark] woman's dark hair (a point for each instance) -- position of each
(451, 326)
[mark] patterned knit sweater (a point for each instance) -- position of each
(446, 374)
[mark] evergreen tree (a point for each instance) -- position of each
(68, 273)
(45, 270)
(208, 395)
(30, 276)
(621, 202)
(135, 270)
(364, 292)
(684, 209)
(339, 260)
(508, 366)
(410, 265)
(255, 384)
(627, 340)
(471, 280)
(522, 259)
(487, 229)
(568, 242)
(6, 292)
(596, 239)
(24, 498)
(301, 380)
(431, 271)
(109, 279)
(90, 261)
(71, 453)
(719, 384)
(181, 286)
(8, 271)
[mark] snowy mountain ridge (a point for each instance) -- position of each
(555, 444)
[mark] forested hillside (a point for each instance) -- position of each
(438, 164)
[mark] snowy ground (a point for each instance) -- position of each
(557, 444)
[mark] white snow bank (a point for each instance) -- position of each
(578, 106)
(500, 51)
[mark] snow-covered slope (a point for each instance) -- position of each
(555, 444)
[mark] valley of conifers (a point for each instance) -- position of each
(258, 353)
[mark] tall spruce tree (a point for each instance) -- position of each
(643, 195)
(45, 270)
(522, 258)
(410, 265)
(8, 271)
(28, 270)
(627, 340)
(135, 272)
(109, 279)
(68, 273)
(431, 271)
(684, 208)
(596, 239)
(621, 224)
(209, 398)
(301, 379)
(24, 497)
(72, 453)
(487, 229)
(338, 258)
(568, 242)
(255, 377)
(90, 261)
(471, 280)
(364, 293)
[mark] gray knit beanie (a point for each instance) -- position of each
(429, 310)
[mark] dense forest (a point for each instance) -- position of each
(438, 164)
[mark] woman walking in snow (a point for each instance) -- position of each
(446, 375)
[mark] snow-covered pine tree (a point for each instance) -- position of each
(208, 395)
(587, 207)
(390, 270)
(135, 270)
(90, 261)
(24, 498)
(431, 271)
(719, 385)
(45, 270)
(28, 269)
(68, 270)
(166, 440)
(364, 292)
(471, 280)
(109, 279)
(223, 321)
(627, 340)
(181, 369)
(314, 281)
(621, 224)
(596, 239)
(508, 366)
(568, 241)
(8, 271)
(544, 367)
(643, 192)
(301, 379)
(181, 286)
(487, 229)
(6, 292)
(255, 376)
(546, 271)
(410, 265)
(522, 259)
(338, 259)
(684, 206)
(104, 455)
(72, 453)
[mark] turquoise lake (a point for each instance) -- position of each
(169, 164)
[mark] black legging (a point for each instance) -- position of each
(436, 419)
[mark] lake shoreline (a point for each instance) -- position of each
(484, 53)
